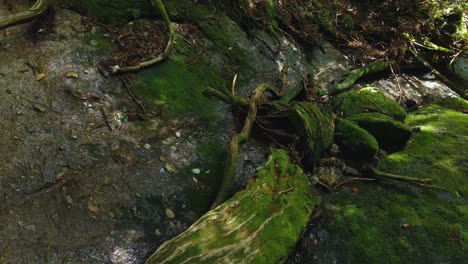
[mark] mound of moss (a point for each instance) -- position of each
(258, 225)
(365, 100)
(355, 143)
(388, 132)
(397, 224)
(439, 150)
(387, 224)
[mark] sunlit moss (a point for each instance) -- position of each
(258, 225)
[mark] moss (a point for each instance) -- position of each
(355, 142)
(315, 125)
(439, 151)
(390, 134)
(179, 86)
(368, 99)
(454, 103)
(368, 226)
(258, 225)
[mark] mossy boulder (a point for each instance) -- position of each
(258, 225)
(438, 151)
(355, 142)
(315, 125)
(389, 133)
(365, 100)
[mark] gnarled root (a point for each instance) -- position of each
(237, 139)
(36, 10)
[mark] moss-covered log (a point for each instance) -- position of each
(315, 125)
(36, 10)
(258, 225)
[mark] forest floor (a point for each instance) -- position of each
(102, 169)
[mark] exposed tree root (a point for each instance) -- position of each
(233, 100)
(372, 68)
(237, 139)
(400, 178)
(36, 10)
(162, 9)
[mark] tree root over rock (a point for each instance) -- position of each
(237, 139)
(36, 10)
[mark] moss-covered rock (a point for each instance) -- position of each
(355, 142)
(315, 125)
(395, 224)
(454, 103)
(385, 224)
(368, 99)
(389, 133)
(258, 225)
(439, 151)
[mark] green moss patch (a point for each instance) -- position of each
(389, 133)
(368, 99)
(388, 225)
(258, 225)
(355, 142)
(439, 151)
(178, 86)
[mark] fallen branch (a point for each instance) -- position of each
(237, 139)
(162, 9)
(372, 68)
(36, 10)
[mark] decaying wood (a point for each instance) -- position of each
(36, 10)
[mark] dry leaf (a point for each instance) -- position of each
(93, 208)
(39, 76)
(72, 74)
(170, 214)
